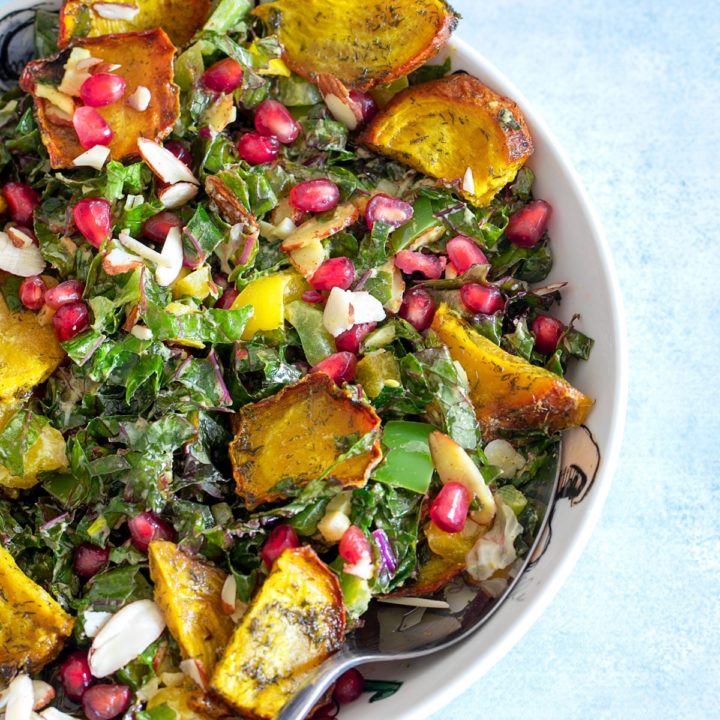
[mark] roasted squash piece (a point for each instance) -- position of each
(457, 130)
(295, 622)
(188, 593)
(361, 43)
(509, 393)
(33, 626)
(29, 353)
(146, 59)
(289, 439)
(180, 19)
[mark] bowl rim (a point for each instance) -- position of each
(555, 575)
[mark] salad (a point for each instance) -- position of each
(275, 345)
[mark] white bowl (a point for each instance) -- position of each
(589, 457)
(581, 256)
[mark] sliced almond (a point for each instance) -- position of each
(468, 184)
(43, 694)
(228, 596)
(338, 101)
(119, 261)
(141, 332)
(20, 699)
(164, 164)
(140, 99)
(93, 622)
(416, 602)
(18, 237)
(95, 157)
(128, 632)
(319, 228)
(20, 261)
(135, 246)
(453, 464)
(104, 67)
(56, 116)
(52, 713)
(195, 670)
(87, 63)
(177, 195)
(116, 11)
(306, 260)
(171, 259)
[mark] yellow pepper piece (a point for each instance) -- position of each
(266, 296)
(195, 284)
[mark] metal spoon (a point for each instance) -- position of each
(393, 632)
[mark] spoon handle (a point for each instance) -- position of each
(319, 681)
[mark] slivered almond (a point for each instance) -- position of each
(19, 237)
(21, 261)
(87, 63)
(177, 195)
(95, 157)
(43, 694)
(140, 99)
(20, 699)
(171, 259)
(318, 228)
(119, 261)
(128, 632)
(228, 596)
(116, 11)
(338, 101)
(195, 670)
(164, 164)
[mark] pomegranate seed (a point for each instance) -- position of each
(281, 538)
(429, 266)
(336, 272)
(273, 118)
(526, 226)
(312, 296)
(146, 527)
(70, 320)
(93, 218)
(368, 106)
(482, 298)
(89, 559)
(104, 702)
(349, 341)
(224, 76)
(340, 367)
(157, 227)
(227, 299)
(354, 546)
(32, 292)
(464, 253)
(257, 149)
(180, 152)
(102, 89)
(387, 209)
(450, 506)
(349, 686)
(75, 675)
(91, 128)
(66, 292)
(547, 331)
(315, 195)
(22, 201)
(418, 308)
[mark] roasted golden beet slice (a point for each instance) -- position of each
(361, 43)
(301, 433)
(509, 393)
(33, 626)
(431, 576)
(180, 19)
(296, 621)
(29, 353)
(146, 59)
(188, 592)
(457, 130)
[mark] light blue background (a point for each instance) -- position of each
(631, 88)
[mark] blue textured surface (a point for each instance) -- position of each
(632, 91)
